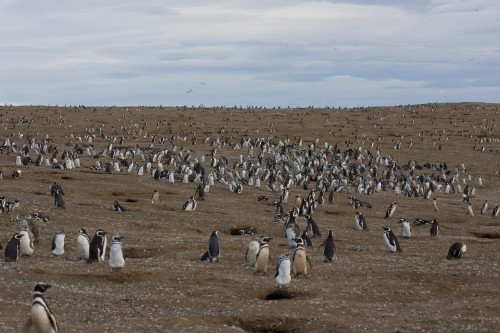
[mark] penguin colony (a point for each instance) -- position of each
(337, 175)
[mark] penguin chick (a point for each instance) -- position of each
(58, 243)
(282, 275)
(406, 228)
(251, 252)
(83, 244)
(116, 260)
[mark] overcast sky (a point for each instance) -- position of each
(249, 53)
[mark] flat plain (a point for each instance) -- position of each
(164, 287)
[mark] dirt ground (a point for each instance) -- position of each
(164, 287)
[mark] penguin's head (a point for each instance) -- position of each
(266, 239)
(403, 221)
(82, 231)
(117, 238)
(41, 287)
(386, 229)
(101, 233)
(17, 235)
(299, 241)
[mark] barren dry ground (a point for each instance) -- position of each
(164, 287)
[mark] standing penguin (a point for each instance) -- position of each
(97, 249)
(41, 318)
(58, 243)
(391, 241)
(155, 198)
(406, 228)
(282, 275)
(117, 207)
(435, 205)
(329, 247)
(31, 226)
(470, 212)
(495, 211)
(251, 253)
(484, 208)
(360, 221)
(190, 204)
(25, 244)
(300, 260)
(312, 226)
(331, 197)
(13, 250)
(390, 210)
(59, 200)
(83, 244)
(116, 260)
(434, 227)
(456, 250)
(262, 257)
(213, 252)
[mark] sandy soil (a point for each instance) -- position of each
(165, 287)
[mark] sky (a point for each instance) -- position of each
(285, 53)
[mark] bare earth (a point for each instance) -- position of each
(165, 287)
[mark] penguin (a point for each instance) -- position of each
(15, 211)
(312, 226)
(83, 243)
(470, 212)
(406, 228)
(306, 239)
(251, 252)
(360, 221)
(390, 210)
(282, 275)
(262, 198)
(41, 216)
(329, 247)
(291, 234)
(41, 318)
(391, 241)
(300, 260)
(484, 208)
(116, 260)
(25, 244)
(117, 207)
(435, 205)
(331, 197)
(262, 257)
(32, 228)
(190, 204)
(54, 188)
(284, 195)
(495, 211)
(298, 201)
(213, 252)
(97, 247)
(456, 250)
(58, 243)
(59, 200)
(12, 251)
(434, 227)
(155, 198)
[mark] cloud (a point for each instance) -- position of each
(249, 52)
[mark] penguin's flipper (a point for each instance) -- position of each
(27, 325)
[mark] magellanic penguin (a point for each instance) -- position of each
(312, 226)
(83, 244)
(391, 210)
(262, 257)
(58, 243)
(190, 204)
(54, 188)
(116, 260)
(435, 205)
(300, 260)
(495, 211)
(484, 208)
(97, 248)
(282, 275)
(31, 226)
(470, 211)
(251, 252)
(155, 198)
(41, 318)
(406, 228)
(434, 227)
(456, 250)
(117, 207)
(213, 252)
(59, 200)
(25, 244)
(360, 221)
(391, 241)
(12, 251)
(329, 247)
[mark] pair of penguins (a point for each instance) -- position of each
(95, 250)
